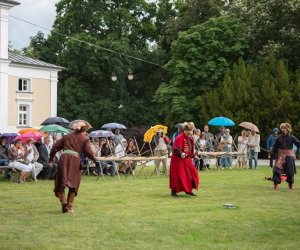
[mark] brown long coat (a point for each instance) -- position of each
(68, 172)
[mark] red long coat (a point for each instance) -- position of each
(68, 171)
(183, 173)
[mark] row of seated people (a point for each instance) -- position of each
(30, 158)
(109, 147)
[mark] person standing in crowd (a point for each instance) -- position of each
(201, 146)
(68, 171)
(184, 176)
(118, 137)
(242, 149)
(284, 156)
(226, 142)
(218, 137)
(161, 142)
(253, 149)
(270, 143)
(209, 137)
(196, 134)
(179, 131)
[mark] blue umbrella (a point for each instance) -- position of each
(221, 121)
(101, 133)
(114, 125)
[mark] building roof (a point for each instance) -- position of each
(9, 2)
(25, 60)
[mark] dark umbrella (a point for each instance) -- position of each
(101, 133)
(56, 120)
(114, 125)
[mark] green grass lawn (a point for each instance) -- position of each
(141, 214)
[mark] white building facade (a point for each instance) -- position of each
(28, 87)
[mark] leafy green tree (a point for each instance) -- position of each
(176, 16)
(265, 94)
(200, 56)
(85, 86)
(272, 26)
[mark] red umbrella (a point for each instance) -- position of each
(250, 126)
(34, 135)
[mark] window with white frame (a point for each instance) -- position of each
(24, 85)
(23, 114)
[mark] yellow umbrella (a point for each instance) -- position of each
(152, 131)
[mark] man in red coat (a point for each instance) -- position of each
(183, 173)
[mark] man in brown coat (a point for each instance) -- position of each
(68, 171)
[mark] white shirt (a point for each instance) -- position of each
(161, 144)
(254, 141)
(119, 151)
(229, 139)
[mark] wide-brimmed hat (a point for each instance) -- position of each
(287, 126)
(188, 126)
(78, 125)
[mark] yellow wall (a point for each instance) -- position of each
(41, 105)
(40, 96)
(12, 103)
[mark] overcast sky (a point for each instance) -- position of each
(41, 12)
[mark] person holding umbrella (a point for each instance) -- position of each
(253, 148)
(118, 137)
(68, 171)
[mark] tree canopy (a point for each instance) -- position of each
(238, 58)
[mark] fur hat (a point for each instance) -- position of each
(78, 125)
(287, 126)
(188, 126)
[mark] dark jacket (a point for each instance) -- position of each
(3, 152)
(44, 155)
(285, 142)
